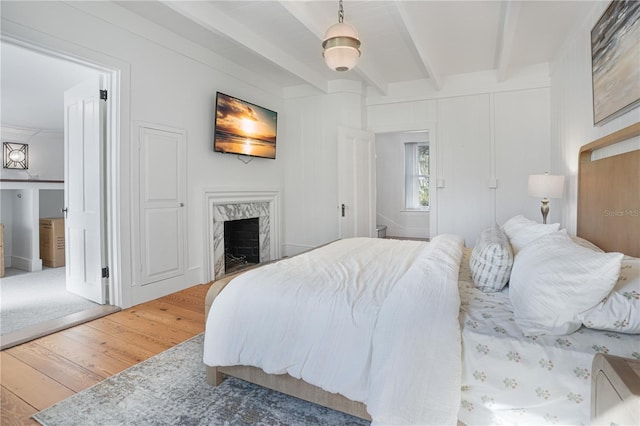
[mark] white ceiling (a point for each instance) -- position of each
(33, 85)
(401, 40)
(281, 40)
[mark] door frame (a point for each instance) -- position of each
(116, 79)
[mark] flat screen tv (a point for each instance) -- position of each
(244, 128)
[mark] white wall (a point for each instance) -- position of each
(572, 110)
(390, 183)
(310, 163)
(172, 82)
(486, 137)
(20, 216)
(51, 203)
(164, 80)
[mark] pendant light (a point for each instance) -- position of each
(341, 44)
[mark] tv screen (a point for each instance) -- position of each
(244, 128)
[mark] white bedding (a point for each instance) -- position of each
(511, 379)
(354, 326)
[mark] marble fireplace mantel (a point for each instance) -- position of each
(223, 205)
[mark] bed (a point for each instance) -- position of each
(449, 351)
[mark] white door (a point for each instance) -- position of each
(162, 189)
(84, 114)
(356, 183)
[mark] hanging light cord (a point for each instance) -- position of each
(340, 12)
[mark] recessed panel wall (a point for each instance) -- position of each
(465, 201)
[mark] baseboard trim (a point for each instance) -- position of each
(35, 331)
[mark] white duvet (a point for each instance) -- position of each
(375, 320)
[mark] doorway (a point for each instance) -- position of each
(404, 187)
(33, 83)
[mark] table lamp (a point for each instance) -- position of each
(546, 186)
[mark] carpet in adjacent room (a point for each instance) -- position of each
(32, 298)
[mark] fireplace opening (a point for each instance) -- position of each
(241, 244)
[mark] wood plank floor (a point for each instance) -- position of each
(42, 372)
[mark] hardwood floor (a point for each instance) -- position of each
(42, 372)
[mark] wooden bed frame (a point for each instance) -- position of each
(595, 194)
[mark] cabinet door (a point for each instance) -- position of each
(162, 169)
(465, 202)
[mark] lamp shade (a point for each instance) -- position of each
(341, 47)
(546, 186)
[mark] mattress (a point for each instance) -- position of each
(511, 379)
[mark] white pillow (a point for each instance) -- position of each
(491, 260)
(620, 310)
(521, 231)
(554, 281)
(586, 243)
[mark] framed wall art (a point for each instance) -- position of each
(615, 60)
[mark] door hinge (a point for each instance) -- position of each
(105, 272)
(103, 95)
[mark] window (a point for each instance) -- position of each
(416, 172)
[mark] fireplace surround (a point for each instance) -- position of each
(226, 205)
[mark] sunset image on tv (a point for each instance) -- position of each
(244, 128)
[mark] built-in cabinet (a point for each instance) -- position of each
(489, 144)
(23, 204)
(465, 200)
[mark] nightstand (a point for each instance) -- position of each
(615, 390)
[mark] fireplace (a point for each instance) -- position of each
(241, 244)
(224, 206)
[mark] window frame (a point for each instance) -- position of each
(412, 177)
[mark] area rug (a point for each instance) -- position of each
(27, 299)
(170, 389)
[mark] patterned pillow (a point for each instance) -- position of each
(620, 310)
(491, 260)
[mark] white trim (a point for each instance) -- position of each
(19, 262)
(213, 197)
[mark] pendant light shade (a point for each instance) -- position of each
(341, 45)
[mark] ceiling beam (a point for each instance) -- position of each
(422, 50)
(210, 17)
(506, 37)
(303, 13)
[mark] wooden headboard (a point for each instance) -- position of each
(609, 195)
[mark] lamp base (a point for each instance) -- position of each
(545, 210)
